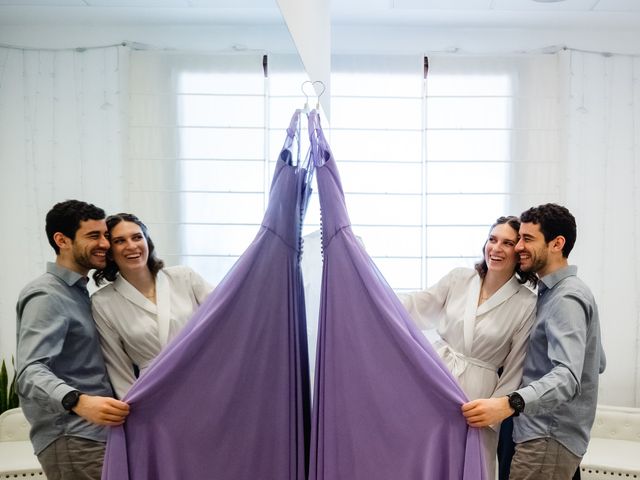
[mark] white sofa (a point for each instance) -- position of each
(614, 449)
(16, 452)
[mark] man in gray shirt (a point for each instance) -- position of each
(62, 380)
(559, 390)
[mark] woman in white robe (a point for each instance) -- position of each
(483, 317)
(145, 305)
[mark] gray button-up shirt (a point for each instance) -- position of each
(58, 351)
(564, 359)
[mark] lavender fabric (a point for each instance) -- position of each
(228, 399)
(385, 406)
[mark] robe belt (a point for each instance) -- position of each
(458, 362)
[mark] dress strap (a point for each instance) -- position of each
(320, 150)
(293, 134)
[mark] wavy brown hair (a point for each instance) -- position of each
(111, 270)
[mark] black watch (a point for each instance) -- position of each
(70, 400)
(516, 402)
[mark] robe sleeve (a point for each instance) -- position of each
(200, 287)
(425, 306)
(119, 365)
(512, 367)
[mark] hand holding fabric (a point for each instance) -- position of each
(485, 412)
(102, 410)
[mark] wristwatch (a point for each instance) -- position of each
(70, 400)
(516, 402)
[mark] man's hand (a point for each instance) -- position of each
(484, 412)
(101, 410)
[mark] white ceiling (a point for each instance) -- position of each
(589, 14)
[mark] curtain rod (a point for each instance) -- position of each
(241, 49)
(73, 49)
(548, 50)
(233, 49)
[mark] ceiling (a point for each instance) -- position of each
(584, 14)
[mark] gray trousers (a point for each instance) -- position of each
(72, 458)
(543, 459)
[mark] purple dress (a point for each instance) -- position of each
(385, 407)
(228, 399)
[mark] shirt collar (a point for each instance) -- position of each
(67, 276)
(552, 279)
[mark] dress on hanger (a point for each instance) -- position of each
(385, 406)
(229, 396)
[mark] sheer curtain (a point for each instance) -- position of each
(63, 130)
(600, 124)
(176, 138)
(574, 138)
(205, 132)
(198, 154)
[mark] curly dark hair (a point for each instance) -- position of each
(554, 220)
(111, 270)
(65, 217)
(481, 267)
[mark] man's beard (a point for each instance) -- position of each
(84, 260)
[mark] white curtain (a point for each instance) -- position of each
(575, 140)
(197, 151)
(600, 120)
(63, 130)
(108, 126)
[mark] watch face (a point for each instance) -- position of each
(70, 400)
(516, 402)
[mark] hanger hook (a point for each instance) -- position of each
(321, 83)
(304, 92)
(313, 85)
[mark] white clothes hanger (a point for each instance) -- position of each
(306, 108)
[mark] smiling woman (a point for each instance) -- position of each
(483, 317)
(145, 305)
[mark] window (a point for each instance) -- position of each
(426, 166)
(230, 128)
(221, 119)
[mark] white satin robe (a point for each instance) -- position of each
(133, 329)
(476, 340)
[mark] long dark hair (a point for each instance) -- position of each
(523, 277)
(111, 270)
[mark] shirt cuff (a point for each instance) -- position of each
(529, 396)
(58, 394)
